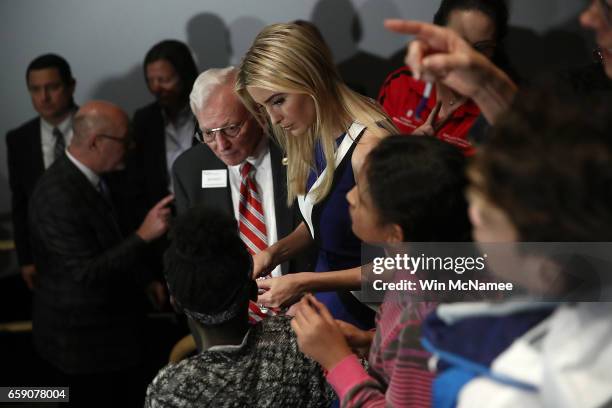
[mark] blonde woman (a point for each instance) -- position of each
(288, 79)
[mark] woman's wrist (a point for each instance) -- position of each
(273, 255)
(303, 281)
(334, 357)
(496, 93)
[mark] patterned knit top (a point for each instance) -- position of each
(266, 370)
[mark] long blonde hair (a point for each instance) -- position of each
(292, 58)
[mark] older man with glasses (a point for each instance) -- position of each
(236, 167)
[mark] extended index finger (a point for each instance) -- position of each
(403, 26)
(433, 115)
(164, 201)
(434, 36)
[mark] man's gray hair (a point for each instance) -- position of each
(207, 82)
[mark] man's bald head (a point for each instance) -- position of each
(100, 136)
(98, 117)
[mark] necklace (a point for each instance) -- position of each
(456, 100)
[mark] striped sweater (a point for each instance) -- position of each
(397, 374)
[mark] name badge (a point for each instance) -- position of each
(214, 178)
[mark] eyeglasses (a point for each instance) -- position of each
(127, 141)
(209, 135)
(606, 9)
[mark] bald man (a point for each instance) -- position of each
(86, 314)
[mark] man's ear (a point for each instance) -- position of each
(394, 233)
(92, 141)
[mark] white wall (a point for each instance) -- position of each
(105, 41)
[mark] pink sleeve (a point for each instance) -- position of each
(347, 374)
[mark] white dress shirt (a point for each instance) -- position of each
(263, 178)
(48, 140)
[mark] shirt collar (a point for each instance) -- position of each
(259, 153)
(64, 126)
(182, 116)
(93, 178)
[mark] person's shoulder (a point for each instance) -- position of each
(55, 177)
(300, 371)
(198, 155)
(275, 327)
(400, 75)
(369, 139)
(56, 189)
(175, 384)
(25, 129)
(151, 109)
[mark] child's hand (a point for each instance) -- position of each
(357, 339)
(318, 335)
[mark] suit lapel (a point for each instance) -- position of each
(36, 154)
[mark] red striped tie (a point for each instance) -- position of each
(252, 228)
(251, 224)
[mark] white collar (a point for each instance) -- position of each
(64, 126)
(91, 175)
(181, 118)
(259, 153)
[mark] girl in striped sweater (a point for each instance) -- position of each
(411, 189)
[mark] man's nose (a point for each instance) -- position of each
(222, 141)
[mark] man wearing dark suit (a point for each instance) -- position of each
(162, 131)
(33, 146)
(86, 315)
(210, 173)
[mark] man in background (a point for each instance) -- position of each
(34, 146)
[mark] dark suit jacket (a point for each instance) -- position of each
(85, 313)
(25, 165)
(188, 191)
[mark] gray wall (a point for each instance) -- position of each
(105, 41)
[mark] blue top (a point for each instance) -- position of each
(338, 247)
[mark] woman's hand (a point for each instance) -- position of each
(440, 54)
(429, 127)
(263, 264)
(318, 334)
(282, 291)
